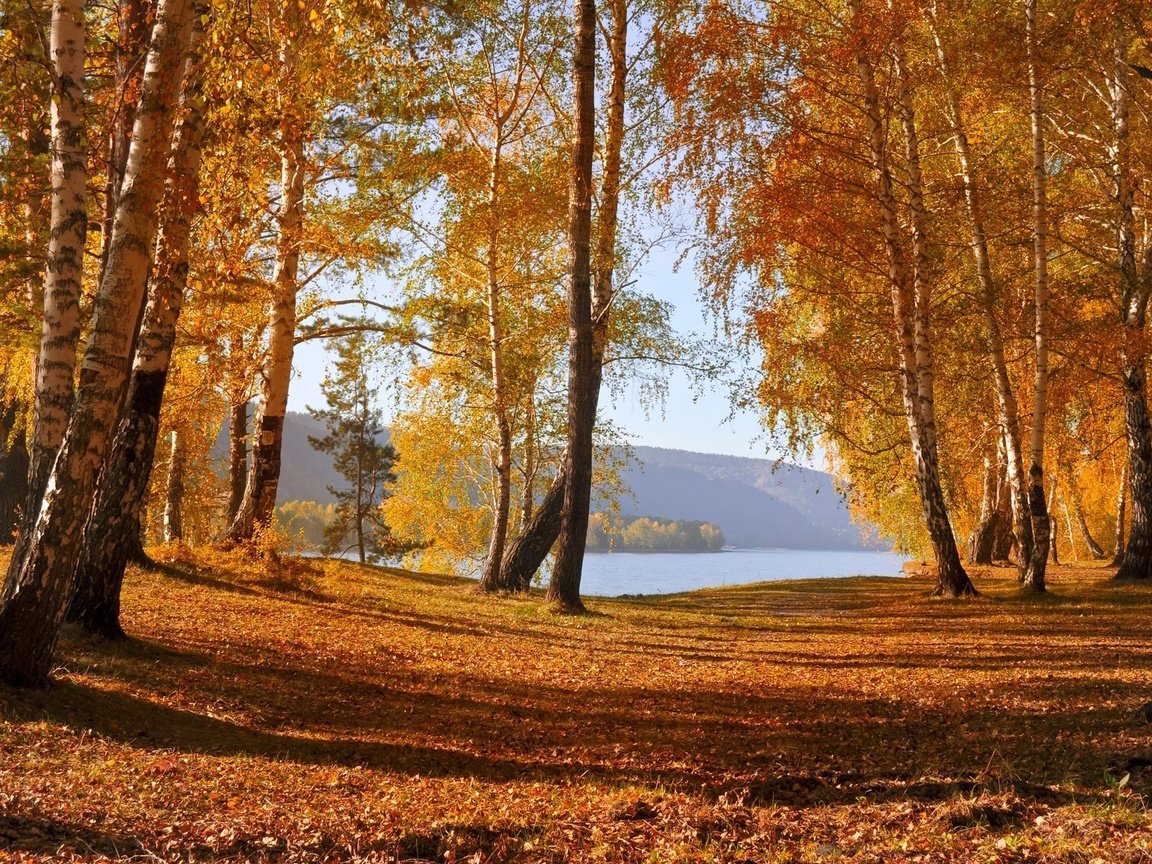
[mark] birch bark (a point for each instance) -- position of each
(112, 535)
(39, 581)
(951, 577)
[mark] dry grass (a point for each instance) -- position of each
(359, 714)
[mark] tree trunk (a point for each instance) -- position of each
(174, 497)
(259, 500)
(910, 310)
(112, 538)
(1137, 562)
(60, 330)
(1053, 522)
(1068, 525)
(39, 582)
(1094, 548)
(13, 473)
(237, 458)
(529, 550)
(564, 588)
(132, 44)
(502, 462)
(1121, 506)
(990, 296)
(1034, 571)
(981, 542)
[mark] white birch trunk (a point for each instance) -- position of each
(1006, 398)
(39, 582)
(60, 330)
(951, 578)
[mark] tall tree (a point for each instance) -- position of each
(538, 534)
(40, 577)
(1134, 288)
(1034, 573)
(259, 500)
(564, 588)
(60, 330)
(113, 530)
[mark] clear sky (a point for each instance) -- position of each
(702, 424)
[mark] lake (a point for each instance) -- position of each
(614, 573)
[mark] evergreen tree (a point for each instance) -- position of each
(353, 441)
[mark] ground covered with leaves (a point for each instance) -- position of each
(350, 713)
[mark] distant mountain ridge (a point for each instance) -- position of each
(756, 502)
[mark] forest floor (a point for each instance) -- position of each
(348, 713)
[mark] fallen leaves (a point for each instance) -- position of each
(388, 717)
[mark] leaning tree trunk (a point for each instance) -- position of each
(910, 303)
(259, 501)
(1033, 573)
(1094, 548)
(564, 588)
(978, 242)
(133, 34)
(112, 537)
(527, 552)
(1121, 506)
(39, 582)
(60, 330)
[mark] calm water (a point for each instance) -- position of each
(615, 573)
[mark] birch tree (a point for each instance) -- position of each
(40, 576)
(60, 329)
(114, 527)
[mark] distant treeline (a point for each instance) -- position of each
(652, 534)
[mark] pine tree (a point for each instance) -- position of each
(353, 440)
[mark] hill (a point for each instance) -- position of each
(755, 502)
(351, 714)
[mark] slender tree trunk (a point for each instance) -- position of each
(909, 311)
(1137, 562)
(112, 538)
(990, 296)
(1034, 572)
(502, 461)
(1068, 524)
(60, 331)
(1121, 506)
(39, 582)
(564, 588)
(174, 497)
(1073, 494)
(259, 501)
(528, 551)
(13, 473)
(1052, 521)
(237, 457)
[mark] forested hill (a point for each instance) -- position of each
(756, 502)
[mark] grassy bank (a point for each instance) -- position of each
(354, 713)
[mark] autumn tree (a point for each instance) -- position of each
(40, 576)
